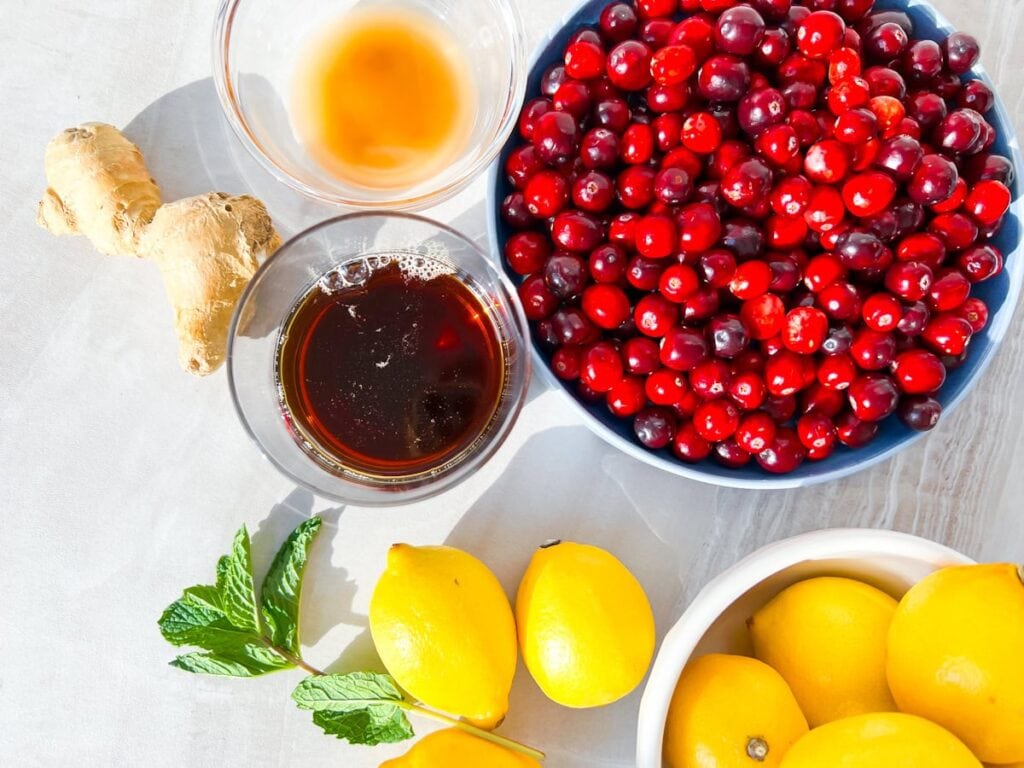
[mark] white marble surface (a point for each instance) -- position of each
(122, 479)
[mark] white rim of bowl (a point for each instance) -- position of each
(227, 97)
(725, 589)
(996, 331)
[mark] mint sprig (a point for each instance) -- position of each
(361, 708)
(224, 622)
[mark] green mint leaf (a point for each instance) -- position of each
(281, 594)
(199, 619)
(376, 724)
(345, 693)
(253, 661)
(235, 584)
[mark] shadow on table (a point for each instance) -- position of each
(557, 487)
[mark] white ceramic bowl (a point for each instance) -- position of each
(716, 619)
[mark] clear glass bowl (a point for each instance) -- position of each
(287, 276)
(255, 48)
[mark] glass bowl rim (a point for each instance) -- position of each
(380, 496)
(226, 93)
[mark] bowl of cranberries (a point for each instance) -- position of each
(762, 243)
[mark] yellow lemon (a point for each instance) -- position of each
(880, 740)
(826, 637)
(586, 628)
(457, 749)
(444, 629)
(956, 656)
(731, 712)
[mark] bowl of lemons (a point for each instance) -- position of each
(843, 649)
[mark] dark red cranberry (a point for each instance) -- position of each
(915, 318)
(886, 42)
(682, 348)
(981, 262)
(962, 51)
(977, 96)
(739, 30)
(640, 355)
(607, 263)
(854, 432)
(644, 274)
(565, 274)
(746, 182)
(571, 326)
(728, 336)
(873, 396)
(729, 454)
(618, 22)
(576, 231)
(538, 302)
(654, 427)
(761, 109)
(922, 60)
(514, 211)
(861, 250)
(555, 137)
(573, 97)
(565, 362)
(920, 413)
(838, 340)
(960, 131)
(873, 350)
(522, 164)
(724, 78)
(934, 181)
(613, 114)
(599, 148)
(552, 78)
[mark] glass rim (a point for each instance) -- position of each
(226, 93)
(425, 488)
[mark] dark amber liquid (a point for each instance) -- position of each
(394, 377)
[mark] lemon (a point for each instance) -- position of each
(453, 748)
(730, 712)
(444, 629)
(586, 628)
(826, 637)
(880, 740)
(956, 656)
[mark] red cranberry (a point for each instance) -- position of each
(644, 274)
(873, 350)
(763, 316)
(571, 326)
(612, 113)
(977, 96)
(673, 64)
(988, 202)
(910, 280)
(786, 373)
(673, 186)
(538, 302)
(900, 156)
(689, 446)
(934, 181)
(699, 227)
(729, 454)
(928, 109)
(747, 390)
(682, 348)
(922, 60)
(948, 333)
(555, 137)
(915, 318)
(805, 330)
(599, 149)
(755, 432)
(606, 305)
(546, 194)
(867, 194)
(981, 262)
(975, 312)
(750, 280)
(760, 109)
(522, 164)
(635, 186)
(678, 283)
(746, 182)
(640, 355)
(918, 371)
(960, 131)
(873, 396)
(728, 336)
(920, 413)
(816, 431)
(665, 387)
(827, 162)
(861, 250)
(655, 315)
(840, 300)
(654, 427)
(948, 291)
(514, 211)
(627, 397)
(837, 372)
(565, 362)
(629, 65)
(820, 33)
(785, 454)
(723, 78)
(716, 420)
(526, 252)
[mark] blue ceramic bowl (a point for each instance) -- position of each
(1000, 294)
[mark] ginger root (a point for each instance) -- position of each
(98, 187)
(207, 247)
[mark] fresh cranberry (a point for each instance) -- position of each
(655, 315)
(918, 371)
(920, 413)
(820, 33)
(606, 305)
(526, 252)
(644, 274)
(627, 397)
(763, 315)
(565, 274)
(699, 227)
(786, 373)
(785, 454)
(837, 372)
(665, 387)
(537, 300)
(565, 362)
(678, 283)
(750, 280)
(975, 312)
(882, 312)
(948, 333)
(618, 22)
(915, 318)
(689, 446)
(816, 431)
(514, 211)
(873, 350)
(601, 367)
(988, 202)
(838, 341)
(629, 65)
(640, 355)
(716, 420)
(729, 454)
(723, 78)
(934, 181)
(546, 194)
(840, 300)
(682, 348)
(827, 162)
(922, 60)
(747, 390)
(805, 330)
(755, 432)
(861, 250)
(555, 137)
(854, 432)
(635, 186)
(873, 396)
(654, 427)
(977, 96)
(980, 263)
(746, 182)
(867, 194)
